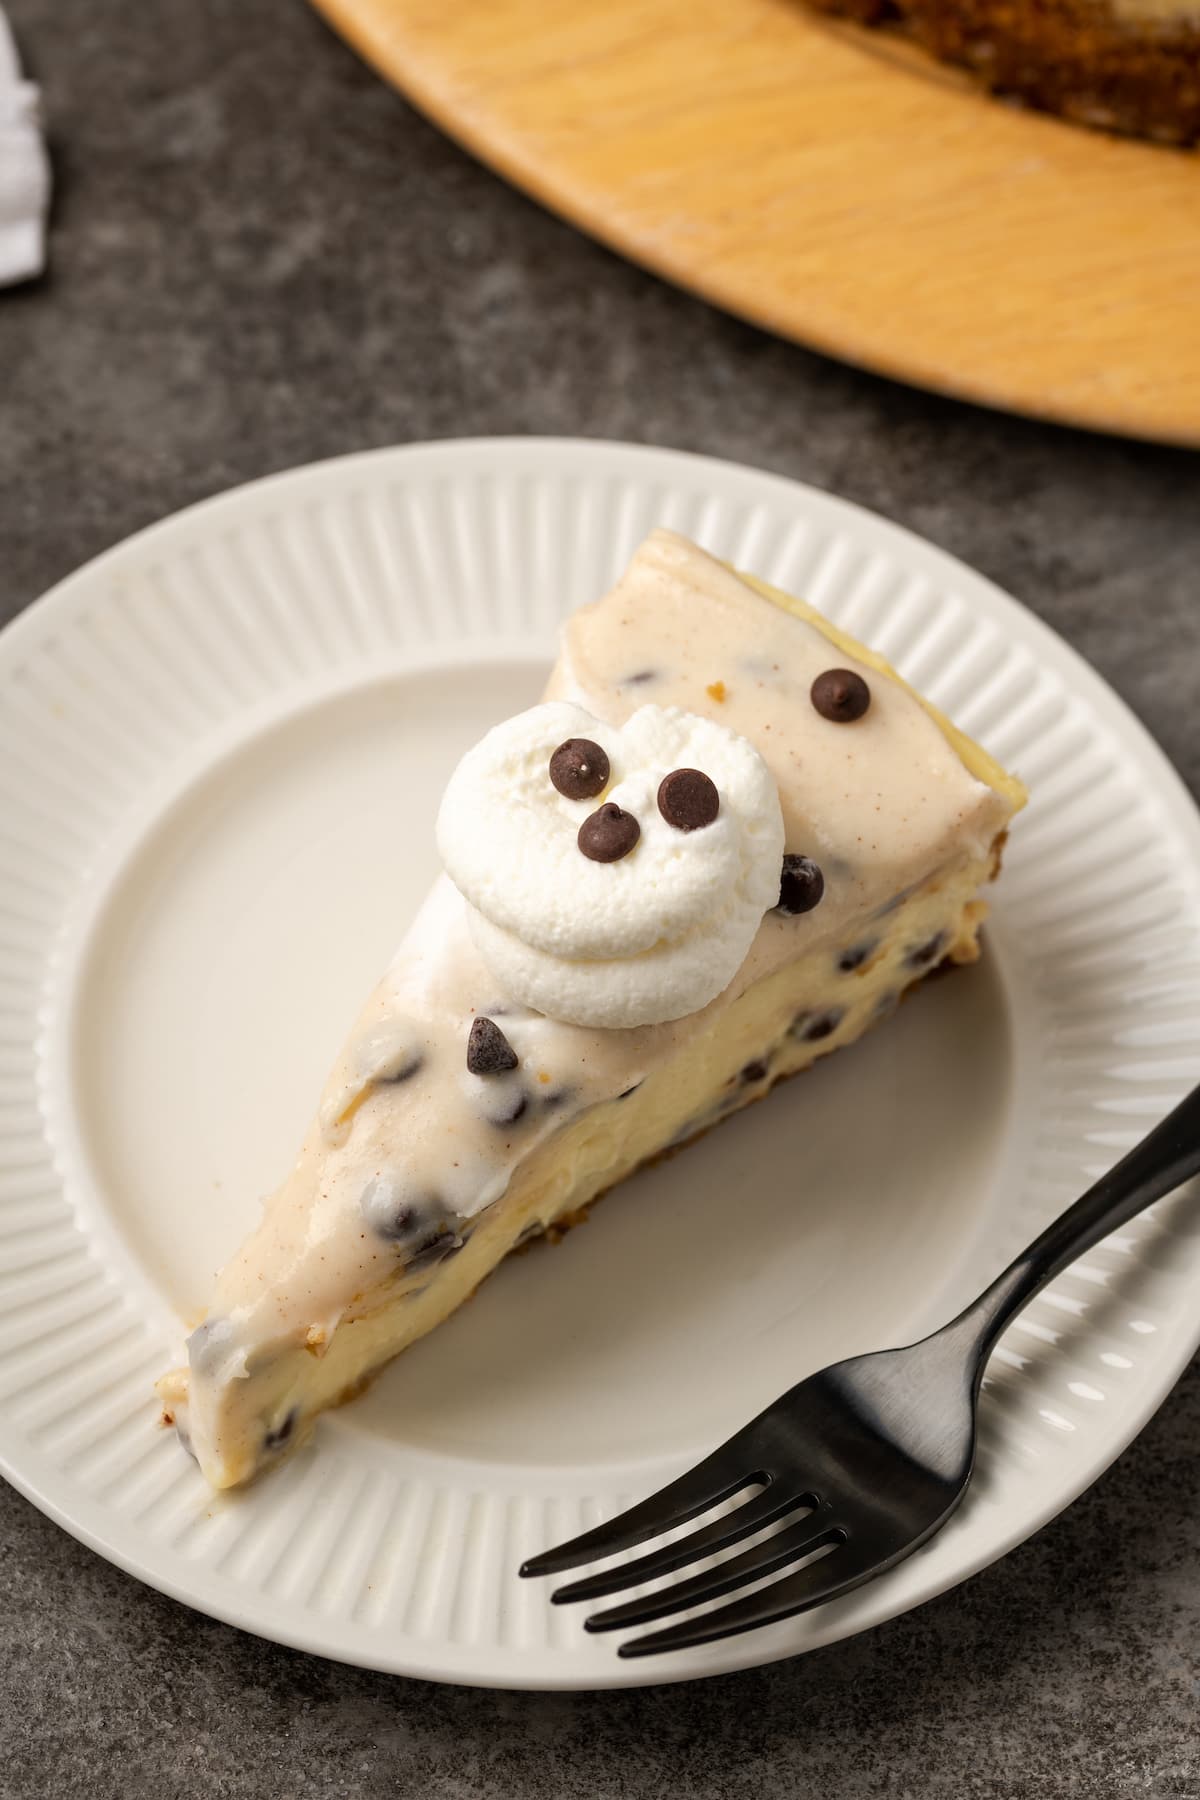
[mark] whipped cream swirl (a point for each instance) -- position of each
(651, 936)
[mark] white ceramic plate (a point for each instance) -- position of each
(220, 751)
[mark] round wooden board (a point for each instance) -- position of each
(835, 187)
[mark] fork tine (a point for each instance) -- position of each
(807, 1534)
(764, 1508)
(718, 1477)
(814, 1585)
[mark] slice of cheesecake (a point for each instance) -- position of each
(724, 847)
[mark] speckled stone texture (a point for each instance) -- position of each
(262, 256)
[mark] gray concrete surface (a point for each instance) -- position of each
(262, 256)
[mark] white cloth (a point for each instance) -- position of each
(24, 170)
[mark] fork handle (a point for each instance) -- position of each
(1169, 1156)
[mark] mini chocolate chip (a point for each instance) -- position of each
(608, 834)
(811, 1027)
(405, 1072)
(387, 1052)
(854, 958)
(923, 954)
(397, 1214)
(509, 1111)
(488, 1050)
(688, 799)
(436, 1248)
(840, 695)
(801, 885)
(754, 1071)
(579, 769)
(210, 1344)
(278, 1437)
(421, 1231)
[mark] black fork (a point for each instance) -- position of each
(859, 1465)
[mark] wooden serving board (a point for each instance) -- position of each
(835, 187)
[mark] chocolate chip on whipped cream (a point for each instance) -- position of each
(688, 799)
(608, 834)
(579, 769)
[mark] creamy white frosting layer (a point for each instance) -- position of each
(650, 936)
